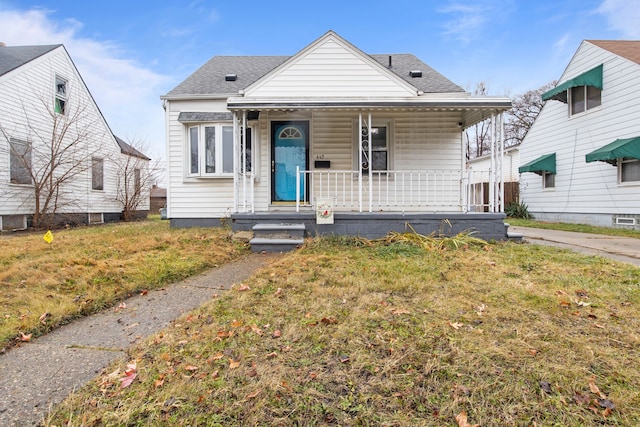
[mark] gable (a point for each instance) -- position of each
(331, 67)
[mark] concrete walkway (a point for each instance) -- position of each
(41, 373)
(625, 249)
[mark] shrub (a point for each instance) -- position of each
(517, 210)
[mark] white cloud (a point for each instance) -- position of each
(469, 18)
(126, 92)
(623, 16)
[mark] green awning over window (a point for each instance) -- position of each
(620, 148)
(592, 77)
(546, 163)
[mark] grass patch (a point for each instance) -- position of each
(352, 332)
(581, 228)
(87, 269)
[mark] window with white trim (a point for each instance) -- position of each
(210, 150)
(548, 180)
(60, 103)
(19, 162)
(584, 98)
(97, 173)
(629, 170)
(380, 149)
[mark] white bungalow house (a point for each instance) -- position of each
(333, 138)
(580, 161)
(45, 108)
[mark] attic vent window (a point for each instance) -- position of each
(415, 73)
(231, 77)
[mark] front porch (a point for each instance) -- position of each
(487, 226)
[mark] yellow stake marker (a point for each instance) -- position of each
(48, 236)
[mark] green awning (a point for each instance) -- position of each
(592, 77)
(546, 163)
(620, 148)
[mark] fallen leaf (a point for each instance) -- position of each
(233, 364)
(461, 418)
(243, 287)
(565, 303)
(122, 305)
(606, 403)
(492, 263)
(582, 293)
(598, 325)
(277, 333)
(272, 355)
(456, 325)
(253, 395)
(583, 304)
(546, 387)
(344, 359)
(144, 292)
(607, 412)
(191, 368)
(25, 338)
(236, 324)
(581, 399)
(399, 311)
(594, 388)
(44, 317)
(158, 383)
(277, 292)
(329, 320)
(127, 380)
(255, 329)
(533, 352)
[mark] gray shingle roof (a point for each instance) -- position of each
(210, 78)
(12, 57)
(125, 148)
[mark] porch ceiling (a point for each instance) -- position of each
(473, 110)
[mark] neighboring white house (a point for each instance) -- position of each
(580, 159)
(46, 108)
(480, 168)
(369, 138)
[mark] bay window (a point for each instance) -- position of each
(210, 150)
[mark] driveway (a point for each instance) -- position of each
(625, 249)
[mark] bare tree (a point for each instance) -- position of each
(520, 118)
(50, 148)
(136, 173)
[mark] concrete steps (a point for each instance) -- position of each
(277, 237)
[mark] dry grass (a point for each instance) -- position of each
(87, 269)
(349, 332)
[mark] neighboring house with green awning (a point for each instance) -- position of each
(580, 161)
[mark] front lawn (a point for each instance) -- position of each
(87, 269)
(348, 332)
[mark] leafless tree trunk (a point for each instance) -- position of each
(136, 173)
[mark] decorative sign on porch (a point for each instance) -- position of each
(324, 211)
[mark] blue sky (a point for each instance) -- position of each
(130, 53)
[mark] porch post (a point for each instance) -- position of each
(492, 171)
(236, 142)
(370, 165)
(243, 163)
(359, 166)
(501, 161)
(464, 177)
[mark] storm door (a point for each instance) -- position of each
(289, 149)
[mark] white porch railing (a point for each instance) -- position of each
(409, 190)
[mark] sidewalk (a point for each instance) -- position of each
(625, 249)
(45, 371)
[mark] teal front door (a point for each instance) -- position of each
(289, 148)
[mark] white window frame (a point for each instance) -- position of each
(585, 92)
(25, 169)
(61, 96)
(97, 175)
(544, 181)
(620, 164)
(220, 154)
(377, 123)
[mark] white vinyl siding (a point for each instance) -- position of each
(332, 69)
(580, 187)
